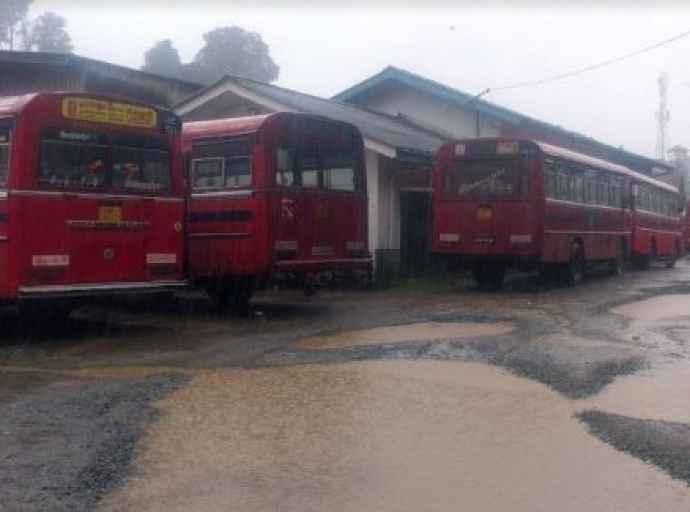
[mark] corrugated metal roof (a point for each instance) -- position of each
(491, 109)
(382, 128)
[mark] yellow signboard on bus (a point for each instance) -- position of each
(109, 112)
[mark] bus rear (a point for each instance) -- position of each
(486, 214)
(94, 198)
(277, 198)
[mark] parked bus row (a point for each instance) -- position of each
(528, 205)
(100, 196)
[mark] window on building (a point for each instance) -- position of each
(74, 160)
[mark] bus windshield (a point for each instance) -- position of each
(140, 165)
(310, 166)
(89, 160)
(486, 179)
(5, 140)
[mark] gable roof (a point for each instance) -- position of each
(389, 135)
(498, 112)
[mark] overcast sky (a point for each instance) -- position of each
(323, 48)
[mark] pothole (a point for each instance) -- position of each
(424, 331)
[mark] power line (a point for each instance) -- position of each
(593, 66)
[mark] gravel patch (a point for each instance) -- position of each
(662, 443)
(65, 446)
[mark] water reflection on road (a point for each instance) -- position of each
(384, 436)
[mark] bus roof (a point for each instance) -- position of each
(11, 105)
(230, 126)
(559, 152)
(223, 127)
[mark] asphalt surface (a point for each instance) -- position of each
(77, 400)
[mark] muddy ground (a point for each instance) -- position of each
(94, 411)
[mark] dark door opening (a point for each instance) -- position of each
(416, 217)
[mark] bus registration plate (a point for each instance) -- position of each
(109, 214)
(485, 214)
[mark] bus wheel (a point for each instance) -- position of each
(239, 295)
(575, 270)
(232, 295)
(672, 262)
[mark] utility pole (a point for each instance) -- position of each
(662, 116)
(472, 100)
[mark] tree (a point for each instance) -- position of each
(12, 15)
(163, 59)
(232, 50)
(48, 34)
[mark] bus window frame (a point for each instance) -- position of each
(194, 163)
(161, 191)
(107, 145)
(9, 124)
(323, 174)
(223, 156)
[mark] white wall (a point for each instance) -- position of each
(372, 165)
(429, 111)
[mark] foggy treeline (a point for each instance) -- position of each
(226, 50)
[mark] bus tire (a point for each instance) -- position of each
(672, 262)
(617, 265)
(575, 268)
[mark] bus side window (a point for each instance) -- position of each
(207, 173)
(5, 140)
(550, 177)
(590, 187)
(285, 167)
(578, 191)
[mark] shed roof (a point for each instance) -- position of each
(70, 59)
(498, 112)
(390, 131)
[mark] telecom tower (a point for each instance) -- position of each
(662, 116)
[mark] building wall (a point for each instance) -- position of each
(18, 79)
(429, 111)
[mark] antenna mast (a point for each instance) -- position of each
(662, 116)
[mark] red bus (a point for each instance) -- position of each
(91, 197)
(519, 203)
(274, 198)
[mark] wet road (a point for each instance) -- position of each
(421, 398)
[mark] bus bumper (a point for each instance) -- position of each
(100, 289)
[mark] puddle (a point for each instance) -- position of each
(656, 308)
(660, 323)
(425, 331)
(384, 436)
(660, 394)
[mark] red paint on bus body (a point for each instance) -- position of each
(251, 214)
(508, 210)
(66, 229)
